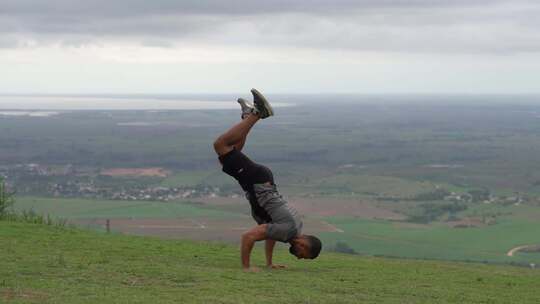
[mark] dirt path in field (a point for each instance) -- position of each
(516, 249)
(152, 171)
(332, 228)
(320, 207)
(328, 206)
(204, 229)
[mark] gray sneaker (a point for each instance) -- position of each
(247, 108)
(261, 105)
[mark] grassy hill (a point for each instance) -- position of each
(44, 264)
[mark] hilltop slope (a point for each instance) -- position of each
(42, 264)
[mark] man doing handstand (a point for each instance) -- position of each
(277, 221)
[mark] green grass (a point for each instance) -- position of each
(41, 264)
(438, 241)
(83, 208)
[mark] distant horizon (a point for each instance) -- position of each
(68, 103)
(179, 94)
(72, 102)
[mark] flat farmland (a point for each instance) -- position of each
(368, 227)
(200, 228)
(212, 219)
(94, 209)
(489, 243)
(318, 207)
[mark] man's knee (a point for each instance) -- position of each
(218, 144)
(221, 147)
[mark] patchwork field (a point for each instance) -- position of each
(214, 219)
(101, 209)
(437, 241)
(199, 228)
(367, 227)
(160, 172)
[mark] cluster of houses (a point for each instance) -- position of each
(516, 199)
(31, 176)
(150, 193)
(66, 181)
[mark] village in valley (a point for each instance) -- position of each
(70, 181)
(87, 182)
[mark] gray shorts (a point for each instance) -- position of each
(285, 225)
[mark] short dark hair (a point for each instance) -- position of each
(315, 246)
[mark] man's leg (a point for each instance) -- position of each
(240, 145)
(261, 108)
(236, 136)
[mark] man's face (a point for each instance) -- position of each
(300, 249)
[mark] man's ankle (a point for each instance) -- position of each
(254, 115)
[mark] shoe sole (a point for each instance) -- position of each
(245, 104)
(263, 104)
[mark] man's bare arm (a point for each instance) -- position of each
(249, 238)
(269, 250)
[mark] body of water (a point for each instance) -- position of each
(57, 103)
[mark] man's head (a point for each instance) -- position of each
(305, 247)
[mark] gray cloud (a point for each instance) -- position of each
(474, 26)
(8, 43)
(120, 8)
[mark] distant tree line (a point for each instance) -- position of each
(437, 194)
(27, 216)
(6, 200)
(430, 212)
(343, 247)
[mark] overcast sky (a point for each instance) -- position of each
(317, 46)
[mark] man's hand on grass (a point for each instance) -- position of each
(274, 266)
(252, 269)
